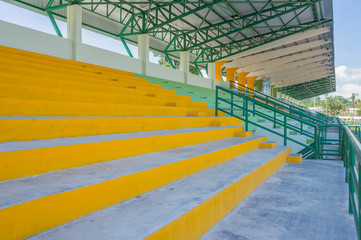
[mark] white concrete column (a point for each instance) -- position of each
(184, 65)
(278, 94)
(74, 27)
(143, 51)
(212, 73)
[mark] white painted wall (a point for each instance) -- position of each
(20, 37)
(199, 81)
(105, 58)
(159, 71)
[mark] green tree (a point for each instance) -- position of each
(164, 61)
(335, 105)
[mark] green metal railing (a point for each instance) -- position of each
(242, 105)
(317, 118)
(351, 156)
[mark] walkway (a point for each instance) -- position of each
(300, 201)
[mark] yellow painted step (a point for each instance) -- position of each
(35, 129)
(29, 162)
(48, 212)
(16, 59)
(29, 107)
(16, 79)
(40, 93)
(130, 82)
(18, 52)
(195, 223)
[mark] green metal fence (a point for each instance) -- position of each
(298, 111)
(351, 156)
(243, 105)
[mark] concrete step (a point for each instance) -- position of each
(32, 107)
(41, 156)
(185, 209)
(35, 128)
(76, 192)
(26, 70)
(56, 94)
(33, 60)
(96, 86)
(17, 53)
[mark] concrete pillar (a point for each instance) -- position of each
(230, 74)
(74, 27)
(184, 65)
(218, 70)
(242, 80)
(250, 83)
(258, 85)
(143, 51)
(212, 73)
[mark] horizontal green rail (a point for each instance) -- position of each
(352, 157)
(241, 105)
(318, 118)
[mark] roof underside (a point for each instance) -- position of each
(215, 30)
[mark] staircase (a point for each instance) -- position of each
(88, 152)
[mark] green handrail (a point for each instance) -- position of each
(352, 157)
(247, 99)
(317, 117)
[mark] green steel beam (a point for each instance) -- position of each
(126, 47)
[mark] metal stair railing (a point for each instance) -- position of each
(292, 109)
(351, 155)
(243, 104)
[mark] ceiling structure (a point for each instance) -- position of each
(288, 41)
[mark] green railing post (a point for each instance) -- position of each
(216, 101)
(274, 120)
(285, 130)
(350, 180)
(232, 96)
(246, 107)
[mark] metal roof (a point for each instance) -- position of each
(212, 30)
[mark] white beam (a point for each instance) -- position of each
(284, 67)
(286, 40)
(74, 27)
(299, 75)
(267, 66)
(184, 64)
(300, 71)
(248, 60)
(299, 67)
(301, 80)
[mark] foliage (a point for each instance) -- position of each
(335, 105)
(164, 61)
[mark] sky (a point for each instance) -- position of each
(347, 36)
(347, 39)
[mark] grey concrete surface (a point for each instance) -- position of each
(307, 201)
(23, 145)
(143, 215)
(21, 190)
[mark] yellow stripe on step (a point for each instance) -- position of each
(30, 107)
(202, 218)
(29, 162)
(30, 218)
(35, 129)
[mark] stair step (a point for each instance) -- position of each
(34, 187)
(46, 93)
(41, 156)
(35, 128)
(69, 63)
(31, 107)
(180, 207)
(97, 86)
